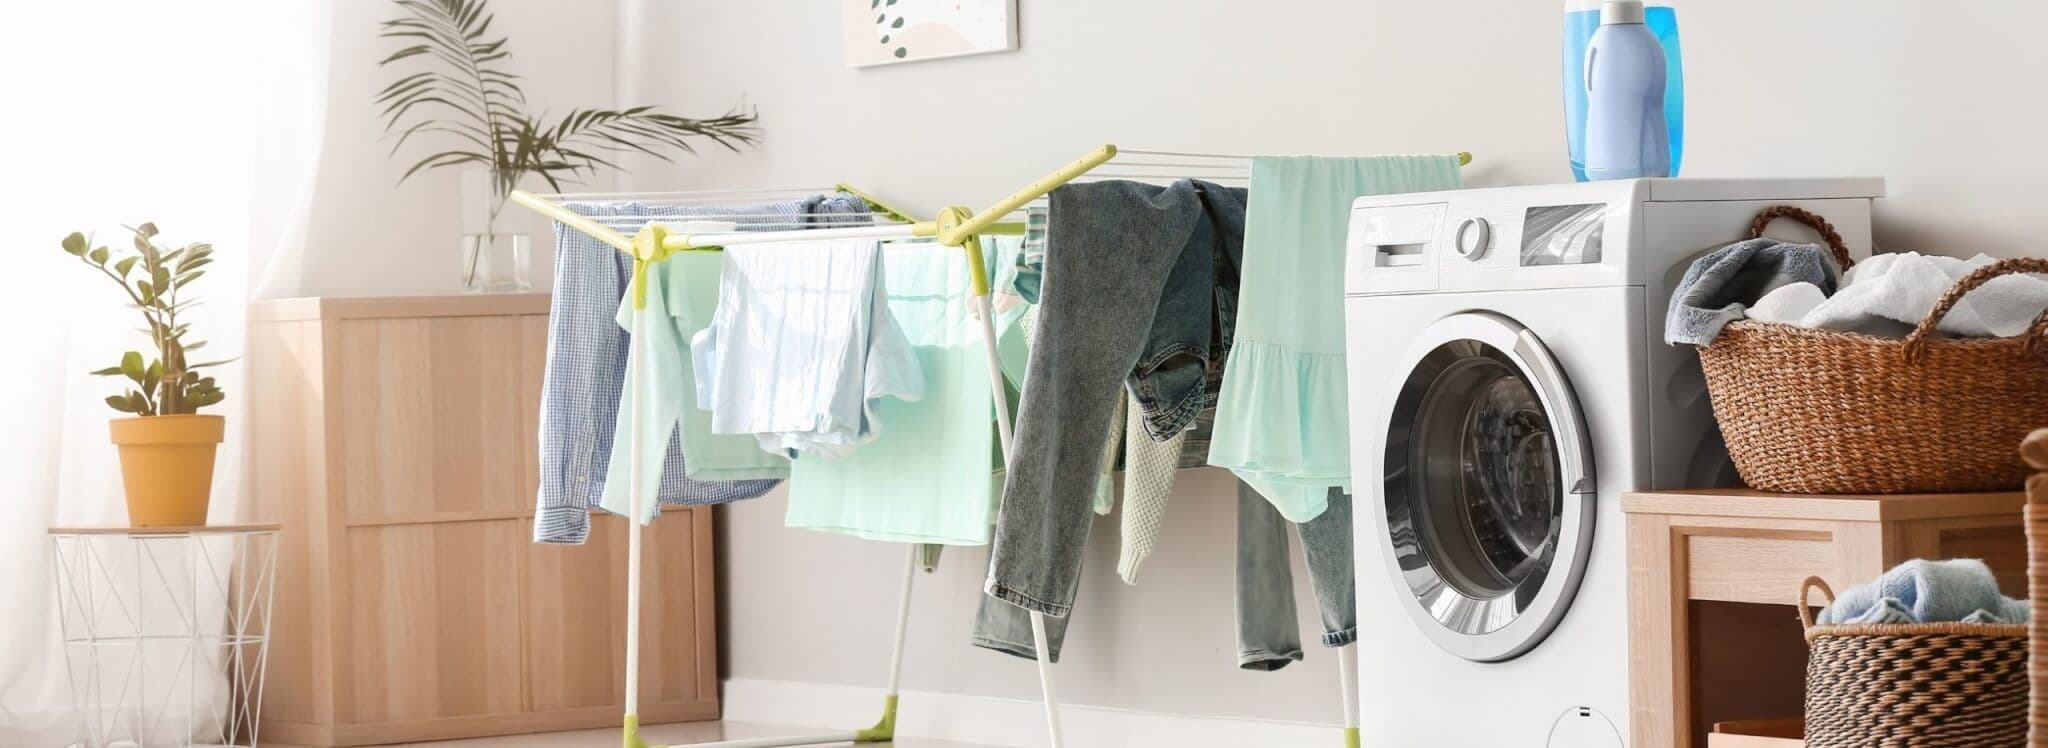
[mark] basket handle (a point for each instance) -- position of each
(1916, 342)
(1839, 248)
(2035, 450)
(1806, 591)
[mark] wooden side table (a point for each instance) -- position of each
(1713, 574)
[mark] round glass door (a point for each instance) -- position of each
(1488, 487)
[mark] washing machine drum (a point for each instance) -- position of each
(1488, 487)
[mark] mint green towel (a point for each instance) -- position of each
(1281, 422)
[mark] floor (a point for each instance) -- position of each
(695, 732)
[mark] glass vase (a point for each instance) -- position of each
(497, 263)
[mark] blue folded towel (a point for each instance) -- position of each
(1922, 591)
(1719, 287)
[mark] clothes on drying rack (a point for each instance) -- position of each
(1149, 470)
(1029, 274)
(681, 294)
(935, 477)
(1268, 634)
(802, 348)
(1281, 418)
(586, 366)
(1128, 297)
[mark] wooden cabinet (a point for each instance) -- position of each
(1712, 575)
(394, 438)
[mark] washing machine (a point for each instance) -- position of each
(1508, 382)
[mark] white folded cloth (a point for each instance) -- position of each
(1787, 305)
(1890, 294)
(801, 344)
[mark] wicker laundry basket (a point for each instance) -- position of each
(1960, 685)
(1821, 411)
(2035, 450)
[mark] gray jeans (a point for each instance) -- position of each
(1006, 628)
(1121, 255)
(1268, 631)
(1268, 634)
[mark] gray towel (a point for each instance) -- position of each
(1719, 287)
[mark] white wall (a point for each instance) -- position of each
(1944, 104)
(372, 235)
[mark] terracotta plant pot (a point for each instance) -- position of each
(167, 467)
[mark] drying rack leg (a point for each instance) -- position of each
(634, 506)
(1347, 677)
(1000, 394)
(885, 730)
(1052, 701)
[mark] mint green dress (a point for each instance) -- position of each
(1281, 423)
(682, 292)
(934, 477)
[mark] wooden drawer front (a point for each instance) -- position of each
(1757, 568)
(425, 426)
(576, 614)
(434, 620)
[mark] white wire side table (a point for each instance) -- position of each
(166, 630)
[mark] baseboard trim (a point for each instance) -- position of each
(475, 726)
(1010, 722)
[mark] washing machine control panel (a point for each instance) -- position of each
(1560, 236)
(1475, 236)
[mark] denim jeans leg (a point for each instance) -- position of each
(1006, 628)
(1326, 543)
(1112, 247)
(1268, 633)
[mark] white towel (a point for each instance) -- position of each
(1889, 294)
(1787, 304)
(801, 345)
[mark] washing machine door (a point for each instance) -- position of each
(1488, 481)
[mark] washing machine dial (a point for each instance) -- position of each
(1474, 236)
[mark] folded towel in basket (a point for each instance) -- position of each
(1922, 591)
(1719, 287)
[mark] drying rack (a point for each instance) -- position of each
(955, 226)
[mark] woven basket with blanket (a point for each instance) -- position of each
(1824, 411)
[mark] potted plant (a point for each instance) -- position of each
(461, 93)
(167, 448)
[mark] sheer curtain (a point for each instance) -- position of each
(202, 117)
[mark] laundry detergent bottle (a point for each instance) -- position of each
(1622, 65)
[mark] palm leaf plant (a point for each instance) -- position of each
(155, 279)
(460, 92)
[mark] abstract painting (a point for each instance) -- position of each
(882, 32)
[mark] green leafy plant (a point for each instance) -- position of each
(155, 280)
(468, 99)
